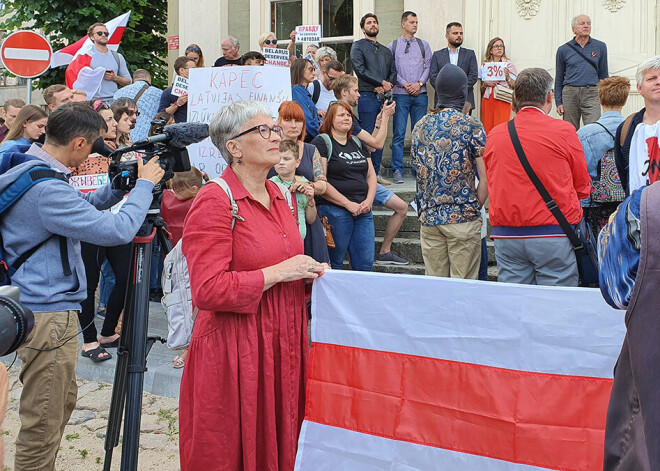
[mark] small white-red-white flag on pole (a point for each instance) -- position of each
(79, 74)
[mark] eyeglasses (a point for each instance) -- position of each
(264, 131)
(194, 49)
(133, 112)
(407, 47)
(102, 33)
(498, 46)
(268, 42)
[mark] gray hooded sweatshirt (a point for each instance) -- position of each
(53, 207)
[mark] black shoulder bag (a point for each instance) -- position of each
(581, 237)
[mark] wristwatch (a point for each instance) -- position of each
(421, 84)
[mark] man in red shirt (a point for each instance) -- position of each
(530, 246)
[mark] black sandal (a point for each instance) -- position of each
(95, 354)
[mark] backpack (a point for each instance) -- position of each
(316, 93)
(177, 298)
(9, 197)
(606, 188)
(328, 143)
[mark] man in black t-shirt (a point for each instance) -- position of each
(230, 55)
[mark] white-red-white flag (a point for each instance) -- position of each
(79, 74)
(644, 156)
(419, 373)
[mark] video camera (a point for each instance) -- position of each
(16, 320)
(168, 143)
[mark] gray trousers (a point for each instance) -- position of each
(580, 102)
(546, 261)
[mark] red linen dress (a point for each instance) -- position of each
(243, 387)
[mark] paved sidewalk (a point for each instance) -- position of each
(160, 379)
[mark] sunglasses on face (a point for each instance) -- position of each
(102, 33)
(264, 131)
(133, 112)
(268, 42)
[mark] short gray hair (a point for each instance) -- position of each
(574, 20)
(229, 120)
(325, 51)
(234, 42)
(532, 87)
(649, 64)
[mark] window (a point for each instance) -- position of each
(285, 16)
(337, 29)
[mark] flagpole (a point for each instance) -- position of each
(29, 91)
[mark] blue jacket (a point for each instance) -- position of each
(300, 95)
(53, 207)
(21, 141)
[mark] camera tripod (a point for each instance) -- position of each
(134, 343)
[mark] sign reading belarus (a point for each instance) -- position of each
(308, 34)
(212, 88)
(180, 86)
(275, 56)
(463, 375)
(26, 54)
(493, 71)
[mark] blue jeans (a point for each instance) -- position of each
(353, 233)
(406, 105)
(157, 263)
(483, 268)
(368, 109)
(107, 284)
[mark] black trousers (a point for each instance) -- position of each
(119, 258)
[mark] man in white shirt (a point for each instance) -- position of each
(116, 74)
(321, 90)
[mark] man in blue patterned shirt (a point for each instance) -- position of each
(147, 98)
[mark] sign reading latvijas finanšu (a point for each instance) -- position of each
(212, 88)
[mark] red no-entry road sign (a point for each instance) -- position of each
(26, 54)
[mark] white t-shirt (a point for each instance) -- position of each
(325, 97)
(644, 156)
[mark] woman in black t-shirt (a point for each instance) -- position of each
(350, 192)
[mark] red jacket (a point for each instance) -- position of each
(554, 152)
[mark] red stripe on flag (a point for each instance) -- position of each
(73, 48)
(116, 35)
(538, 419)
(74, 68)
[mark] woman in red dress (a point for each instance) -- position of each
(494, 111)
(243, 387)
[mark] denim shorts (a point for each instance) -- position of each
(383, 195)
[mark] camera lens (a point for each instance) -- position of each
(16, 321)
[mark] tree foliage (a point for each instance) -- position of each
(143, 45)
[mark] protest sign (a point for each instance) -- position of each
(456, 374)
(212, 88)
(275, 56)
(180, 86)
(311, 59)
(493, 71)
(308, 34)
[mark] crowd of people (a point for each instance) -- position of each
(245, 365)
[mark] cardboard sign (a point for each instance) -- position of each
(87, 183)
(308, 34)
(493, 71)
(212, 88)
(275, 56)
(180, 86)
(172, 43)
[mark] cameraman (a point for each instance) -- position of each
(55, 218)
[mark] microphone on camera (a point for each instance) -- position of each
(100, 147)
(177, 135)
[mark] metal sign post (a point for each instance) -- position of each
(29, 91)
